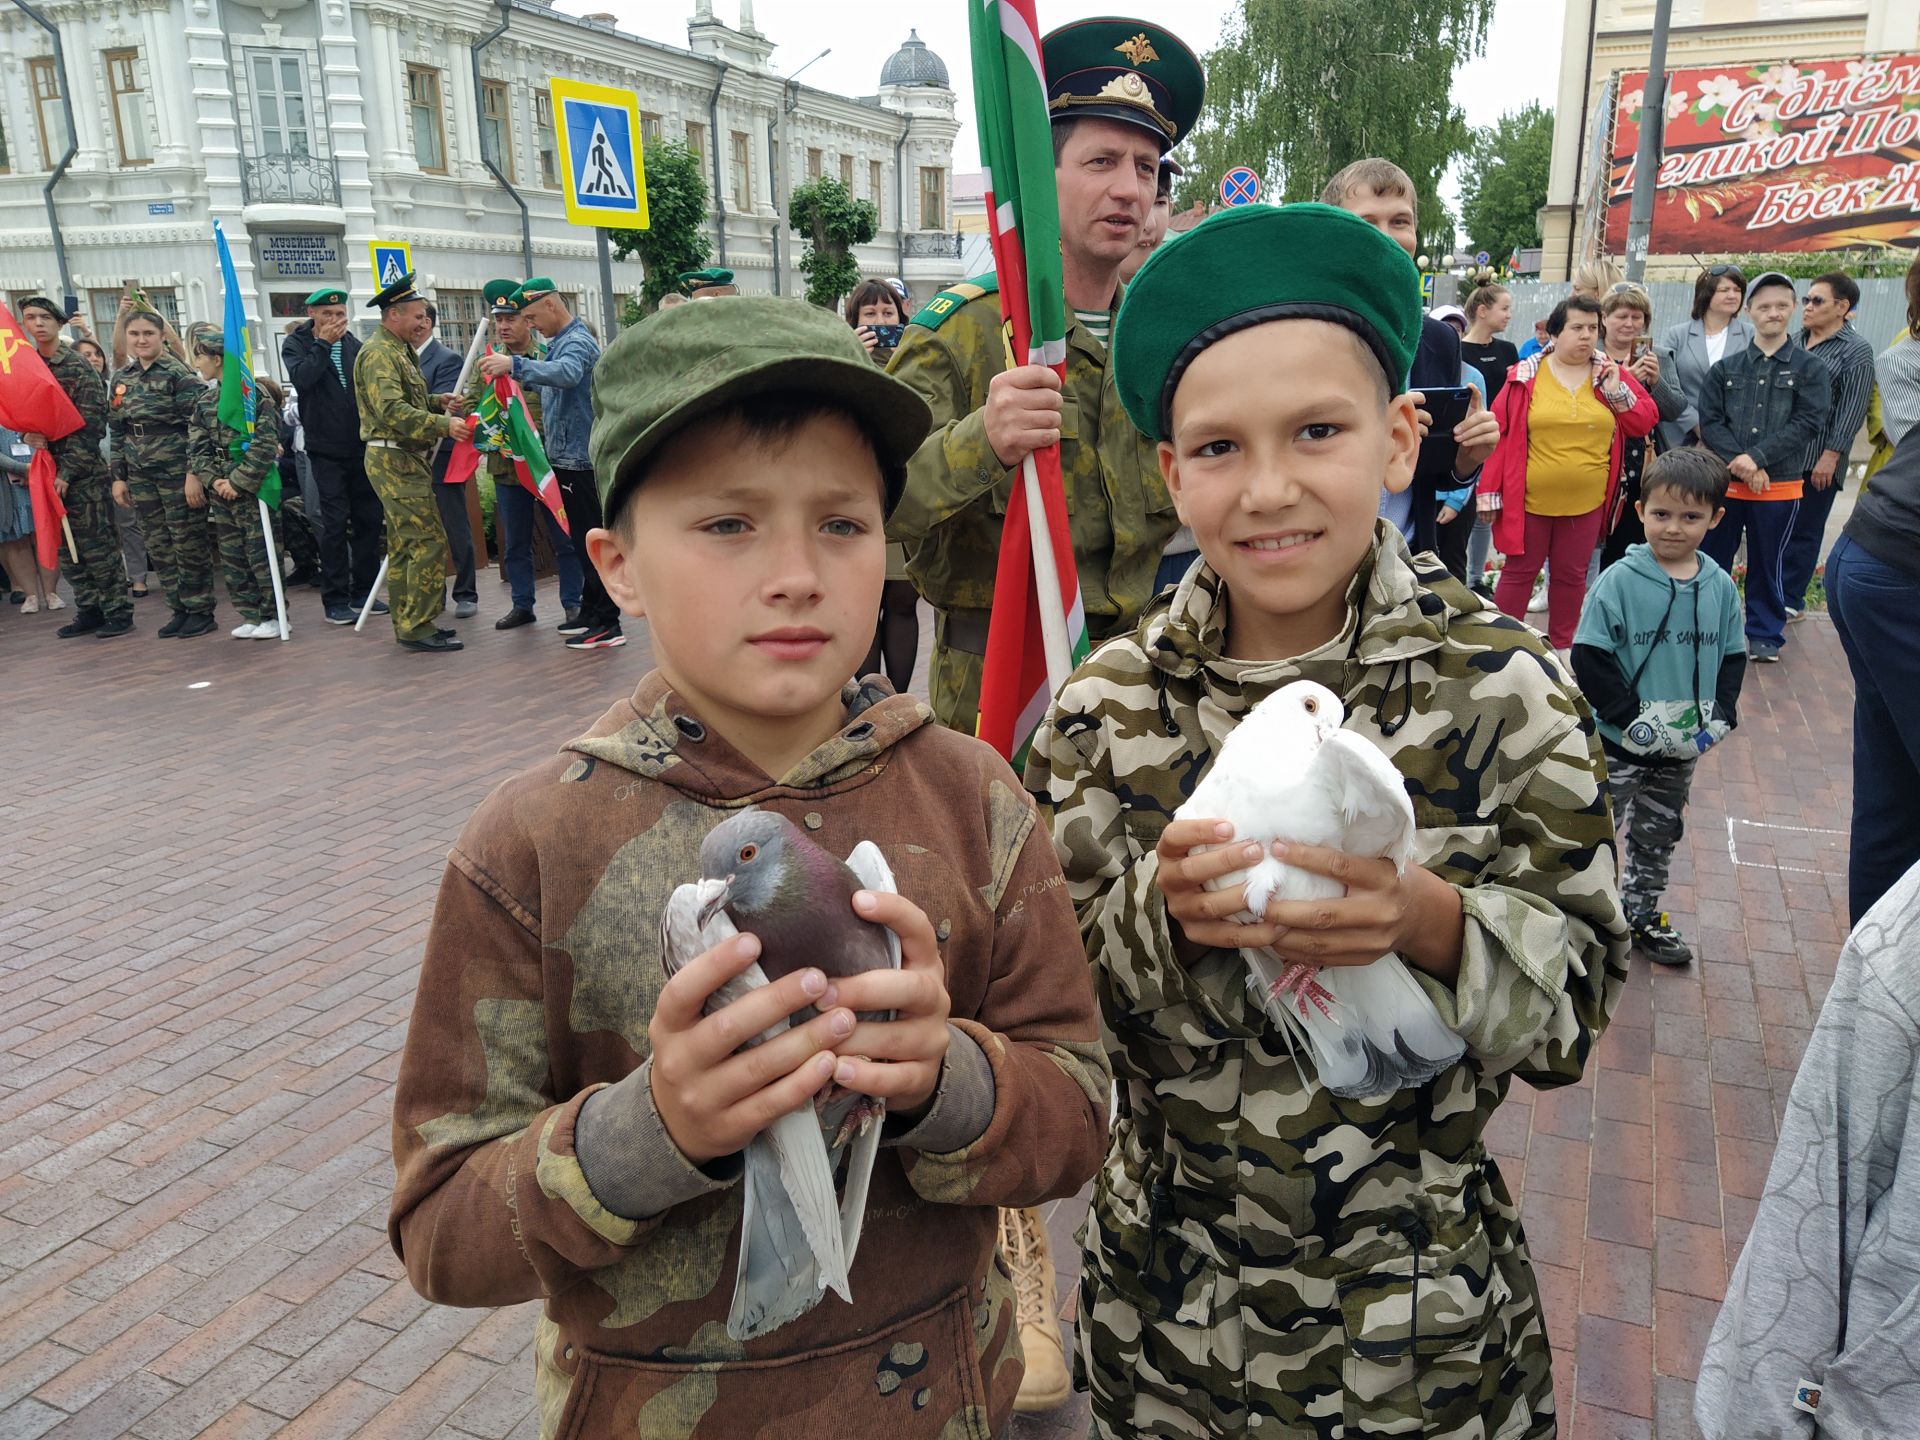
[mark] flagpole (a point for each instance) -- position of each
(273, 568)
(66, 528)
(1046, 575)
(459, 388)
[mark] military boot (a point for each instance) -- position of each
(172, 627)
(85, 621)
(1023, 1243)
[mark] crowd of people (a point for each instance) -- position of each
(1276, 469)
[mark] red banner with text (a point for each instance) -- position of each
(1817, 155)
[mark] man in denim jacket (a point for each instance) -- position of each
(1763, 411)
(565, 382)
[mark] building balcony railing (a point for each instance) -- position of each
(289, 180)
(932, 245)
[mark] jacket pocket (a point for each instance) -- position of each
(915, 1379)
(1427, 1344)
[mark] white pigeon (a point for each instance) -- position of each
(797, 1236)
(1289, 772)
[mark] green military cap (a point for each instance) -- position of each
(327, 295)
(1126, 70)
(1246, 266)
(706, 284)
(41, 302)
(499, 296)
(398, 292)
(528, 291)
(681, 364)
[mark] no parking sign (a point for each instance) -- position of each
(1239, 186)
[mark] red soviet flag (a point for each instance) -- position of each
(32, 403)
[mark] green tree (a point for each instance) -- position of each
(1504, 183)
(676, 239)
(1299, 88)
(833, 222)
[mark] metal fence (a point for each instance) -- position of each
(1881, 315)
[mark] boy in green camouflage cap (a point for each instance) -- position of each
(1263, 1256)
(567, 1124)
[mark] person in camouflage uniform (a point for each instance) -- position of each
(234, 486)
(548, 1113)
(401, 424)
(151, 402)
(103, 606)
(1113, 120)
(1263, 1257)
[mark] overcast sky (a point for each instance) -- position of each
(1521, 63)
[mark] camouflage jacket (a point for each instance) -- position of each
(76, 457)
(539, 980)
(209, 439)
(1262, 1257)
(392, 395)
(148, 407)
(1120, 514)
(500, 464)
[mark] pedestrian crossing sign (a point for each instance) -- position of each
(598, 134)
(391, 260)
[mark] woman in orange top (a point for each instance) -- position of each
(1563, 417)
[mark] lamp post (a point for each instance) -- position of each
(777, 165)
(1646, 163)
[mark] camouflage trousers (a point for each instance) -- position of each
(953, 680)
(296, 532)
(99, 576)
(1650, 802)
(243, 557)
(180, 549)
(416, 545)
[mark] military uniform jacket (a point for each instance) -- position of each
(540, 976)
(148, 408)
(76, 457)
(395, 405)
(1119, 513)
(1264, 1258)
(209, 442)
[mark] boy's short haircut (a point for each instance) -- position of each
(1586, 304)
(1842, 287)
(771, 419)
(1383, 177)
(1693, 472)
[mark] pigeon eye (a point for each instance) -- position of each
(747, 852)
(1312, 705)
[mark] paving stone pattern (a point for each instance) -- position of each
(211, 913)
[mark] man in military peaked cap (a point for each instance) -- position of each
(1120, 93)
(402, 422)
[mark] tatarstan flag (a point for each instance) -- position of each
(1038, 630)
(32, 402)
(236, 371)
(503, 426)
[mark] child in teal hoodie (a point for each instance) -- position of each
(1660, 653)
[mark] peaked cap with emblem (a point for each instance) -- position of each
(397, 293)
(499, 297)
(1251, 265)
(327, 295)
(1126, 70)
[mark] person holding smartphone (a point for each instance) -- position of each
(1564, 417)
(873, 310)
(1626, 317)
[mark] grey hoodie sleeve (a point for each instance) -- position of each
(1822, 1315)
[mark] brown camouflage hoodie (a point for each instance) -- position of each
(540, 976)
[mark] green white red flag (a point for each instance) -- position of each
(502, 426)
(1038, 629)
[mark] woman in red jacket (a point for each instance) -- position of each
(1564, 415)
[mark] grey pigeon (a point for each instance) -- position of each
(1289, 772)
(762, 875)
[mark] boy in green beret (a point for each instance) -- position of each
(568, 1122)
(1263, 1256)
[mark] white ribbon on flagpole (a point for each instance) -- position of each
(459, 388)
(1046, 576)
(273, 568)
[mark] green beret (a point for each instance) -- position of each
(1246, 266)
(327, 295)
(1127, 70)
(712, 275)
(681, 364)
(41, 302)
(528, 291)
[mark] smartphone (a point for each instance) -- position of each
(1448, 405)
(888, 336)
(1642, 346)
(72, 302)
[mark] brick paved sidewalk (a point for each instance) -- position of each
(212, 908)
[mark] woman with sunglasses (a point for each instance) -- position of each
(1717, 329)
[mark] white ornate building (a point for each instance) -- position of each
(311, 128)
